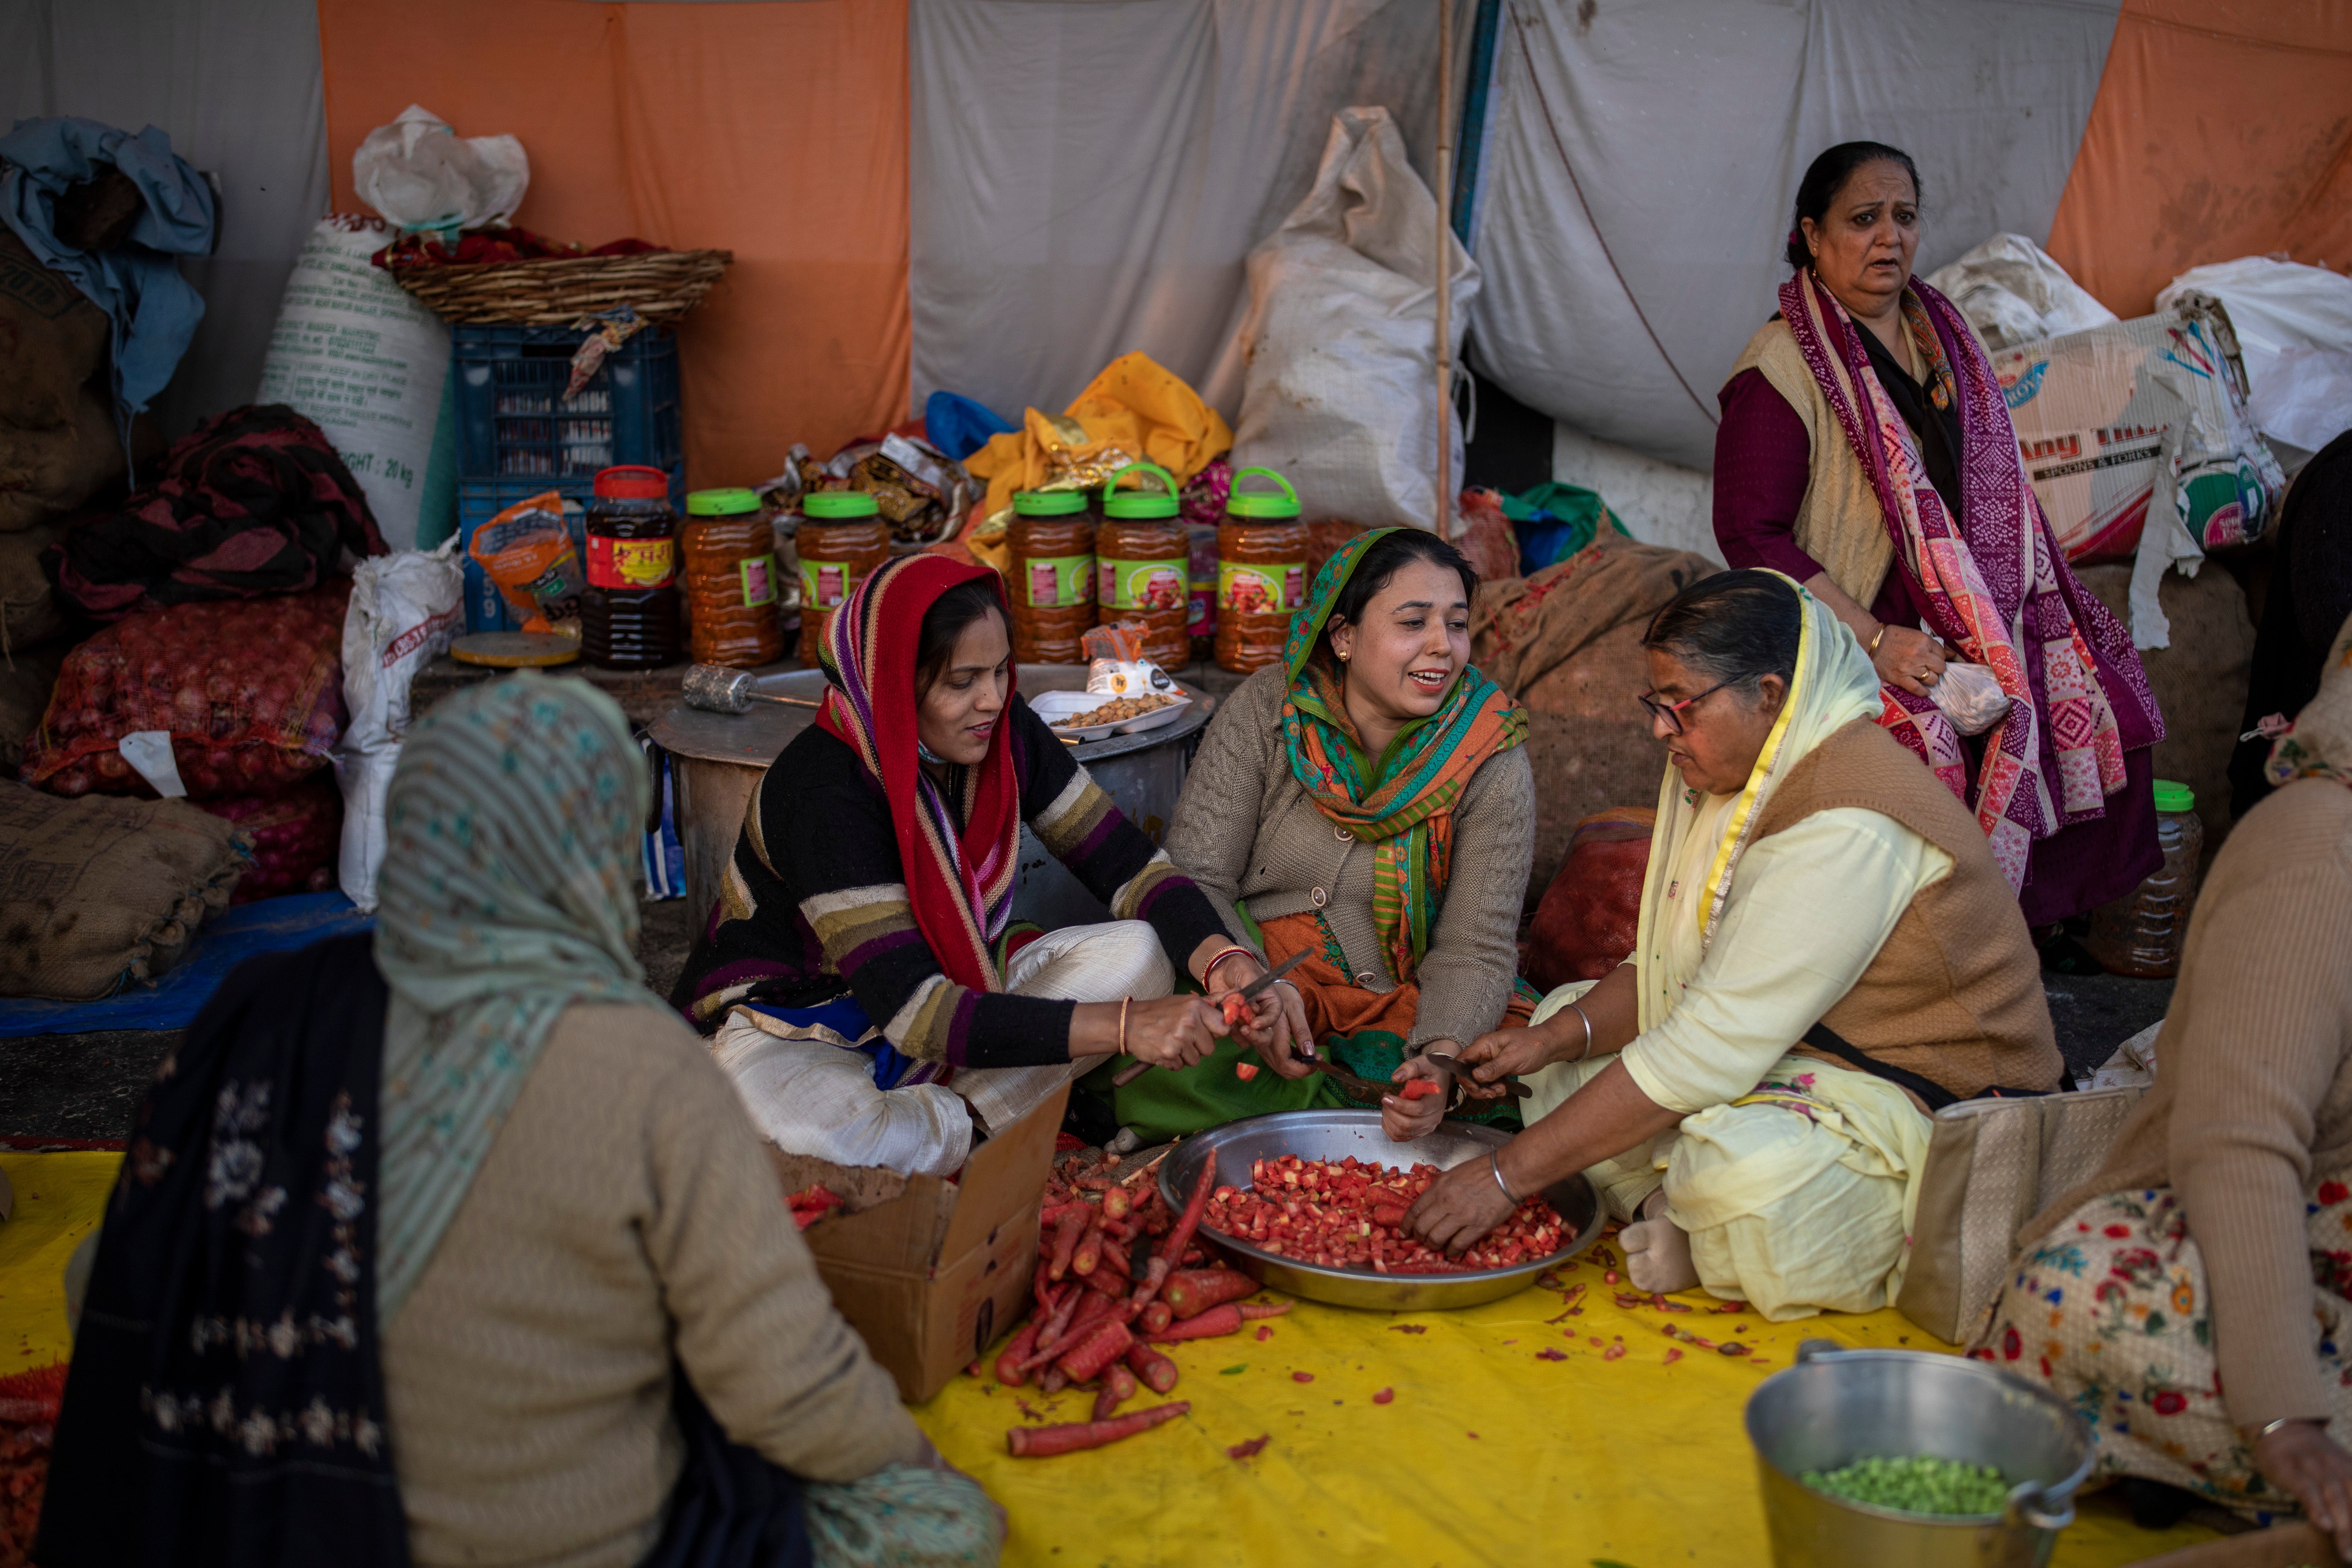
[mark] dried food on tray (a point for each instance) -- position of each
(1118, 710)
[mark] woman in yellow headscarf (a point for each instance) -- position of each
(1828, 951)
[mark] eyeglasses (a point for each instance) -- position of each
(1670, 714)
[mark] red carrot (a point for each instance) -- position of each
(1089, 1250)
(1252, 1310)
(1114, 1261)
(1158, 1373)
(1009, 1370)
(1104, 1344)
(1107, 1282)
(1209, 1325)
(1096, 1308)
(1173, 1248)
(1157, 1317)
(1419, 1088)
(1037, 1442)
(1054, 1381)
(1195, 1291)
(1117, 1202)
(1245, 1070)
(1118, 1387)
(1067, 1231)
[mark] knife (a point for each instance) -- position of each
(1461, 1075)
(1127, 1074)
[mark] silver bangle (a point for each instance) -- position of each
(1496, 1166)
(2270, 1426)
(1588, 1031)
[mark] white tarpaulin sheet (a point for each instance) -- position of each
(1086, 179)
(1618, 299)
(237, 85)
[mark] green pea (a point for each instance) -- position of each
(1916, 1485)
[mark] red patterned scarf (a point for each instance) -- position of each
(1995, 589)
(959, 855)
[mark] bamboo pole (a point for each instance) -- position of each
(1444, 269)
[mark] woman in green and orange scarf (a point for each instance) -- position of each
(1367, 803)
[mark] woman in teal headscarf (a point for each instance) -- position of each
(462, 1248)
(1367, 803)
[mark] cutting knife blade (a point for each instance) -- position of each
(1461, 1075)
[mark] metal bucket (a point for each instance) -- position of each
(1837, 1406)
(719, 759)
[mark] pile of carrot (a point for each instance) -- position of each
(1348, 1213)
(1114, 1281)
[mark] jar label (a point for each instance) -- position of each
(631, 562)
(1257, 588)
(1056, 582)
(826, 583)
(1202, 605)
(1140, 585)
(758, 576)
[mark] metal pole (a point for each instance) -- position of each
(1444, 269)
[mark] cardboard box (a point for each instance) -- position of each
(2101, 414)
(929, 1272)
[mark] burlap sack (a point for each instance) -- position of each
(49, 472)
(1568, 643)
(2199, 681)
(27, 677)
(52, 341)
(103, 892)
(29, 611)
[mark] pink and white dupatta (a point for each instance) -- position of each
(1992, 592)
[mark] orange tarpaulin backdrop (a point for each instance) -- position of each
(2222, 128)
(777, 131)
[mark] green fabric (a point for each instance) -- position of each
(902, 1516)
(514, 820)
(1565, 503)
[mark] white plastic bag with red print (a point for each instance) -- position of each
(405, 608)
(249, 692)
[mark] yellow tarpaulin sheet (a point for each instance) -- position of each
(1489, 1453)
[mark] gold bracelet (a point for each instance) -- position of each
(1122, 1024)
(1872, 649)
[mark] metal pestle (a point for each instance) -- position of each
(715, 689)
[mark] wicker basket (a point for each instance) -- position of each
(659, 285)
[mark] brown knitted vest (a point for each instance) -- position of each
(1955, 995)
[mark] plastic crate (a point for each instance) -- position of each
(514, 421)
(479, 500)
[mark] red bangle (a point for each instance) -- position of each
(1208, 970)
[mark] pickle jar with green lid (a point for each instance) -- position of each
(1052, 544)
(841, 537)
(730, 580)
(1262, 551)
(1142, 562)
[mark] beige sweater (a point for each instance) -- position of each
(1247, 833)
(626, 1213)
(2252, 1102)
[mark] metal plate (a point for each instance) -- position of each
(1335, 1135)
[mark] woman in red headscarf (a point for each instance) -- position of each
(861, 970)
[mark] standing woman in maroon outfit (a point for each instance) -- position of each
(1865, 451)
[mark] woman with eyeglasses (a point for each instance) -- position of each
(1865, 450)
(1366, 807)
(1828, 951)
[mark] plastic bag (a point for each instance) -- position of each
(526, 551)
(422, 174)
(2304, 399)
(294, 836)
(2012, 292)
(249, 690)
(1340, 337)
(2273, 306)
(405, 610)
(1970, 697)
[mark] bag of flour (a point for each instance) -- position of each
(405, 609)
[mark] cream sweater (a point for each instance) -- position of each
(2252, 1102)
(626, 1215)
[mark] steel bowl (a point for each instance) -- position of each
(1335, 1135)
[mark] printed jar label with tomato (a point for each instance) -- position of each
(758, 576)
(1140, 585)
(826, 583)
(1057, 582)
(1261, 589)
(631, 562)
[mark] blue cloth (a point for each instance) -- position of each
(138, 284)
(224, 942)
(959, 427)
(893, 1068)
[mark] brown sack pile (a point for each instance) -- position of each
(102, 893)
(1567, 642)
